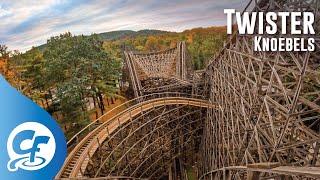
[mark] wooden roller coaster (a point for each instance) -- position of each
(248, 115)
(78, 159)
(159, 71)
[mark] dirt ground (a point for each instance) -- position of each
(108, 106)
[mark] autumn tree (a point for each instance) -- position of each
(152, 44)
(5, 68)
(4, 52)
(4, 59)
(202, 43)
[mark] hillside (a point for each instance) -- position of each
(117, 35)
(122, 34)
(202, 43)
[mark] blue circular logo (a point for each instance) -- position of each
(35, 144)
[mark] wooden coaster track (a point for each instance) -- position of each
(79, 157)
(248, 115)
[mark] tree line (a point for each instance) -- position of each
(64, 76)
(69, 71)
(202, 43)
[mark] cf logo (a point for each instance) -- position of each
(30, 146)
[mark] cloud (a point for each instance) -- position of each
(27, 23)
(4, 12)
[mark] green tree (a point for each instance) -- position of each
(77, 68)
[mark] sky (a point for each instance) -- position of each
(27, 23)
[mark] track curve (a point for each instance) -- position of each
(77, 160)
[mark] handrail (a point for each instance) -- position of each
(129, 103)
(165, 87)
(153, 52)
(104, 178)
(98, 135)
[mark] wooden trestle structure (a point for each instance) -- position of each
(161, 71)
(142, 140)
(248, 115)
(268, 124)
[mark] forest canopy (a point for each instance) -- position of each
(69, 73)
(62, 78)
(202, 43)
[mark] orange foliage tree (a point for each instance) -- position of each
(4, 65)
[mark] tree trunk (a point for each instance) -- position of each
(46, 99)
(101, 102)
(95, 106)
(108, 101)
